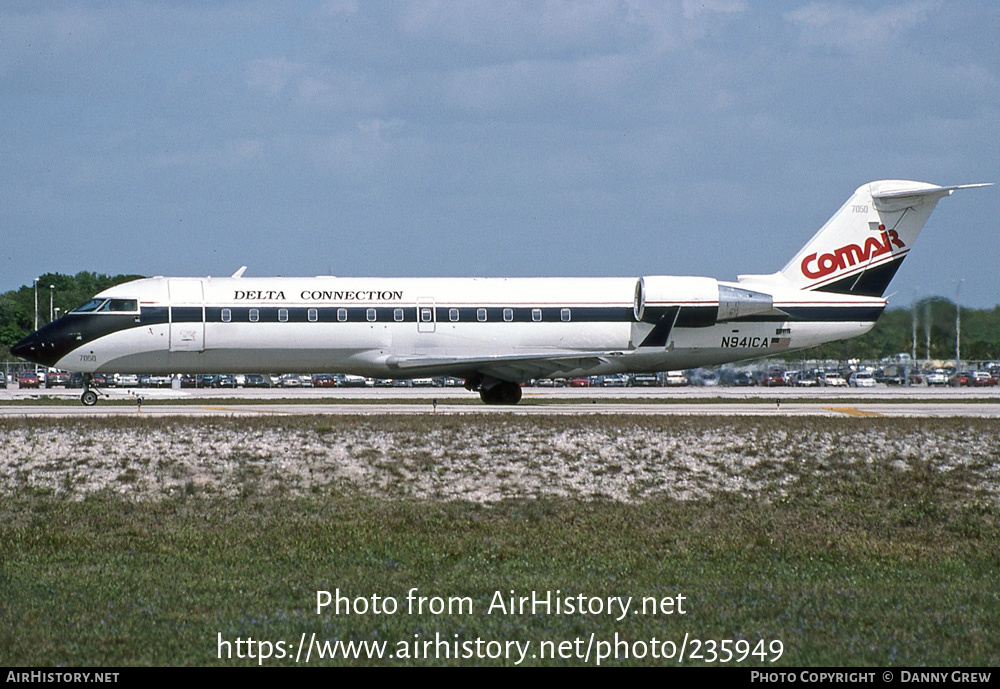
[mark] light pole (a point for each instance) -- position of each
(958, 324)
(913, 351)
(36, 303)
(52, 301)
(927, 328)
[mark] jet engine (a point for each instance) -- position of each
(696, 302)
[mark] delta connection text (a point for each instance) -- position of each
(318, 295)
(501, 603)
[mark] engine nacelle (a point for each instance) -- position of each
(696, 301)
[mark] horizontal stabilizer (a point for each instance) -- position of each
(940, 191)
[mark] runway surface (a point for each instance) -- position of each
(711, 401)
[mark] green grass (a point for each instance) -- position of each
(849, 564)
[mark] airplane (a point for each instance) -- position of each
(496, 333)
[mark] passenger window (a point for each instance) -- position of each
(565, 315)
(313, 315)
(453, 315)
(283, 315)
(397, 315)
(508, 315)
(254, 315)
(342, 315)
(536, 315)
(426, 316)
(371, 315)
(481, 315)
(227, 315)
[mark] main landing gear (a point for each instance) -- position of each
(493, 391)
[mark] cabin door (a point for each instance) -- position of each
(426, 315)
(187, 316)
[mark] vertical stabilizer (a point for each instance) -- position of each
(860, 248)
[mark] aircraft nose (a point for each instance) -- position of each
(25, 347)
(32, 349)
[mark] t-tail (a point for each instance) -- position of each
(860, 248)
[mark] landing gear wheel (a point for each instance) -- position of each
(501, 393)
(89, 398)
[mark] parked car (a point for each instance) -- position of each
(320, 380)
(806, 379)
(155, 382)
(256, 380)
(832, 379)
(772, 378)
(861, 379)
(982, 379)
(962, 379)
(128, 380)
(640, 380)
(28, 379)
(742, 379)
(619, 380)
(57, 379)
(937, 377)
(676, 378)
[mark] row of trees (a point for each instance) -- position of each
(933, 320)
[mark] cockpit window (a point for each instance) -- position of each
(105, 305)
(90, 306)
(119, 305)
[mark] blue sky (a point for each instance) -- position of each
(489, 138)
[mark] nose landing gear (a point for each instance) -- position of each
(89, 396)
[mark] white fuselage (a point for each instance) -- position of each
(498, 332)
(511, 329)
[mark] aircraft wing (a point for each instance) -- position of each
(512, 367)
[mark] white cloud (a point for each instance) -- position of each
(693, 8)
(273, 74)
(859, 28)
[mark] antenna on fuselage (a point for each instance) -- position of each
(239, 273)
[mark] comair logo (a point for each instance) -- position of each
(850, 255)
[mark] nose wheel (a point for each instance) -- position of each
(89, 397)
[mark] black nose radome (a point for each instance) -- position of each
(34, 349)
